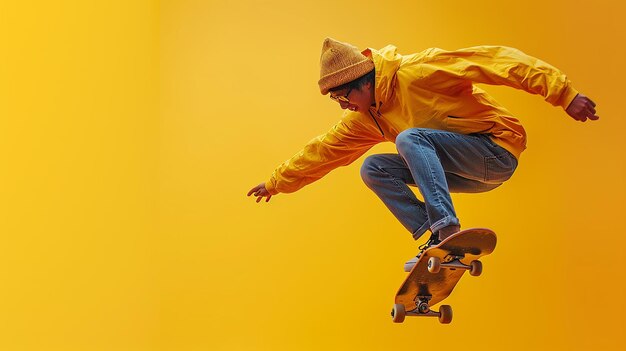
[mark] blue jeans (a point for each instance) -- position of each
(438, 163)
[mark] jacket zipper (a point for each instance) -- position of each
(375, 121)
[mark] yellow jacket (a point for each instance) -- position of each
(430, 89)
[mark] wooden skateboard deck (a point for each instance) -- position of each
(448, 261)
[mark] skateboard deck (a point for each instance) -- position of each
(437, 272)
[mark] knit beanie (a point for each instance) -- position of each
(341, 63)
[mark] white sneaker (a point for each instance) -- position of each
(410, 264)
(433, 241)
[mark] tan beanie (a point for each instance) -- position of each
(341, 63)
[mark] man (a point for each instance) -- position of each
(451, 136)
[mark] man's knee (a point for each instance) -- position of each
(409, 138)
(370, 169)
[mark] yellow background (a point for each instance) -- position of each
(130, 133)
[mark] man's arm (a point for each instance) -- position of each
(501, 65)
(341, 145)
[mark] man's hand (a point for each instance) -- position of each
(260, 192)
(582, 108)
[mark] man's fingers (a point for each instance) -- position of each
(592, 111)
(591, 114)
(253, 190)
(260, 197)
(584, 108)
(592, 103)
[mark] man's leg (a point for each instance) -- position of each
(388, 175)
(440, 162)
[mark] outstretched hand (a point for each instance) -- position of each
(582, 108)
(260, 192)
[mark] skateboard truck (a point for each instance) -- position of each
(422, 305)
(453, 263)
(422, 310)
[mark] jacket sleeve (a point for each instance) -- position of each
(341, 145)
(497, 65)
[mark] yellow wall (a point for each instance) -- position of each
(79, 151)
(131, 132)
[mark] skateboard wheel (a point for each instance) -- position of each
(476, 268)
(434, 264)
(445, 314)
(398, 313)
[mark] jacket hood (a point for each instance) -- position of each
(386, 62)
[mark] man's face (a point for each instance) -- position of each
(359, 100)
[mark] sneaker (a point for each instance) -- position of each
(408, 265)
(433, 241)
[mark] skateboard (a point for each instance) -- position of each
(437, 272)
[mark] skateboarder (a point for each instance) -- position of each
(451, 136)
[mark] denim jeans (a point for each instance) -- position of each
(438, 163)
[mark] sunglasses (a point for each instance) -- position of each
(343, 98)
